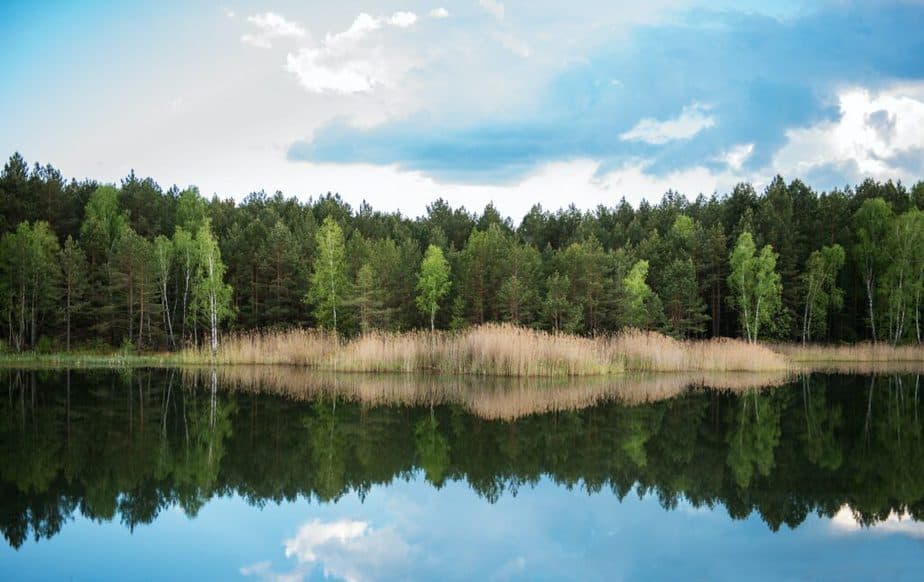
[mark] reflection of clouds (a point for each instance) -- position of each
(844, 521)
(346, 549)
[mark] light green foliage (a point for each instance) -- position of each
(871, 224)
(901, 282)
(103, 223)
(755, 435)
(432, 282)
(821, 290)
(29, 274)
(191, 212)
(755, 285)
(211, 295)
(186, 256)
(640, 307)
(329, 283)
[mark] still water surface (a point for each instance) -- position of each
(173, 474)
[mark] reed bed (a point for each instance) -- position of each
(654, 352)
(855, 353)
(494, 350)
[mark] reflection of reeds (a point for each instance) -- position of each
(495, 350)
(862, 352)
(497, 398)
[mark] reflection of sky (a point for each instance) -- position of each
(411, 530)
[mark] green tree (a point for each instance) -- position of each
(560, 313)
(163, 262)
(901, 283)
(29, 272)
(73, 283)
(684, 308)
(186, 255)
(104, 223)
(755, 284)
(134, 280)
(872, 223)
(821, 291)
(432, 282)
(211, 295)
(328, 278)
(640, 307)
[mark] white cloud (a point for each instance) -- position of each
(493, 7)
(873, 136)
(692, 120)
(351, 76)
(402, 19)
(735, 157)
(845, 522)
(439, 13)
(271, 26)
(346, 549)
(345, 64)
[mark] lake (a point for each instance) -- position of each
(276, 473)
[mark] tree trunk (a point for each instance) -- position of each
(869, 297)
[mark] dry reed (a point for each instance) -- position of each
(861, 352)
(653, 352)
(494, 350)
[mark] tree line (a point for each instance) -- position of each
(140, 266)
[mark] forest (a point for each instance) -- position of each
(92, 266)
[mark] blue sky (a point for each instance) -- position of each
(407, 530)
(477, 101)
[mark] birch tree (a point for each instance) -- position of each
(211, 295)
(328, 277)
(821, 291)
(163, 261)
(432, 282)
(871, 223)
(756, 286)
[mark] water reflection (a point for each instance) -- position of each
(128, 445)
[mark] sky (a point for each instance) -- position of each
(511, 102)
(407, 530)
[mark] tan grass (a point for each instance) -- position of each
(654, 352)
(862, 352)
(495, 350)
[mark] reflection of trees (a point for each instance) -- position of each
(432, 449)
(127, 445)
(754, 435)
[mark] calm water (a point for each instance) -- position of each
(155, 474)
